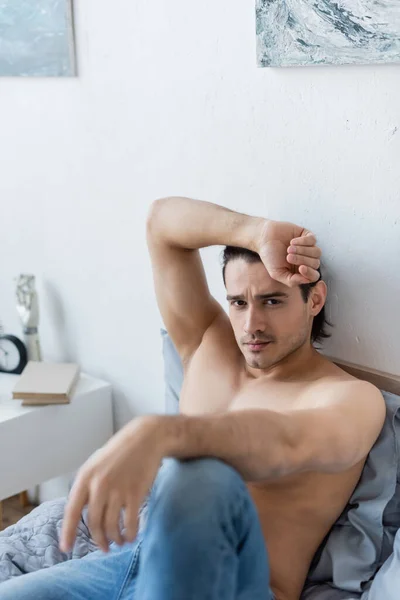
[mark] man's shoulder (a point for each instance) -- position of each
(337, 386)
(348, 414)
(359, 404)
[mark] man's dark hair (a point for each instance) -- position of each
(318, 331)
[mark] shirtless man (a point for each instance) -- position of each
(278, 435)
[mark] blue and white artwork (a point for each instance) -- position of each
(313, 32)
(36, 38)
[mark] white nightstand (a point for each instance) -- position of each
(38, 443)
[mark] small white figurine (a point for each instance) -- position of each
(28, 310)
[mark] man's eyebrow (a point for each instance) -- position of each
(259, 296)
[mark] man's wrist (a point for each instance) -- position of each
(194, 436)
(165, 433)
(252, 233)
(179, 436)
(152, 430)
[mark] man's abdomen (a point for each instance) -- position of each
(296, 513)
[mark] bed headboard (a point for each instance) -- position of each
(384, 381)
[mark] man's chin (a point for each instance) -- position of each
(258, 361)
(260, 365)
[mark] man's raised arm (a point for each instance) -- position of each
(178, 227)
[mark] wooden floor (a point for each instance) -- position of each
(13, 511)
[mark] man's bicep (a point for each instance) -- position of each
(336, 437)
(183, 297)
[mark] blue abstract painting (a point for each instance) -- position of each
(36, 38)
(313, 32)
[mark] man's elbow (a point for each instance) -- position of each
(154, 211)
(331, 458)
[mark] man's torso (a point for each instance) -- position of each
(296, 511)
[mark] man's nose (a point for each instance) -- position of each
(254, 321)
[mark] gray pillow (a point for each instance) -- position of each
(362, 538)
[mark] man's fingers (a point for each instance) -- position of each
(309, 273)
(296, 259)
(72, 514)
(311, 251)
(112, 519)
(298, 279)
(131, 518)
(309, 239)
(305, 275)
(96, 511)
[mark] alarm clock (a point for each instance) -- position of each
(13, 354)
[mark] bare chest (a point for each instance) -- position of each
(212, 385)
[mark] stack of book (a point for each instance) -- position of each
(46, 383)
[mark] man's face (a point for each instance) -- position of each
(263, 310)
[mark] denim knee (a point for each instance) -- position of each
(195, 488)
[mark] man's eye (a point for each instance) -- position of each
(273, 301)
(235, 301)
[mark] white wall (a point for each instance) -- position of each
(169, 101)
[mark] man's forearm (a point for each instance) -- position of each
(259, 444)
(194, 224)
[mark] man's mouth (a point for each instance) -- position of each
(257, 346)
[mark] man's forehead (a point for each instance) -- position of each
(241, 277)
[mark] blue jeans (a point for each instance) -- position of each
(202, 541)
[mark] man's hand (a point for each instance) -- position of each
(289, 252)
(118, 476)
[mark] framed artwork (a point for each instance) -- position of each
(313, 32)
(36, 38)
